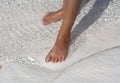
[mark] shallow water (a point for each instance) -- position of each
(24, 43)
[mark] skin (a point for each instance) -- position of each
(53, 17)
(68, 13)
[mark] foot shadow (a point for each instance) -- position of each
(97, 9)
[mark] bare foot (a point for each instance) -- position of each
(52, 17)
(59, 52)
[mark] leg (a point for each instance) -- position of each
(60, 50)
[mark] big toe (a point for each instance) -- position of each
(48, 58)
(44, 21)
(47, 21)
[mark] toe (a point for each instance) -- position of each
(48, 58)
(45, 21)
(53, 59)
(45, 18)
(48, 21)
(59, 59)
(63, 58)
(56, 60)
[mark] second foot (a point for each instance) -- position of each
(52, 17)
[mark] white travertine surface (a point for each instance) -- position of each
(24, 43)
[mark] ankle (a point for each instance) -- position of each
(65, 35)
(63, 38)
(60, 12)
(62, 41)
